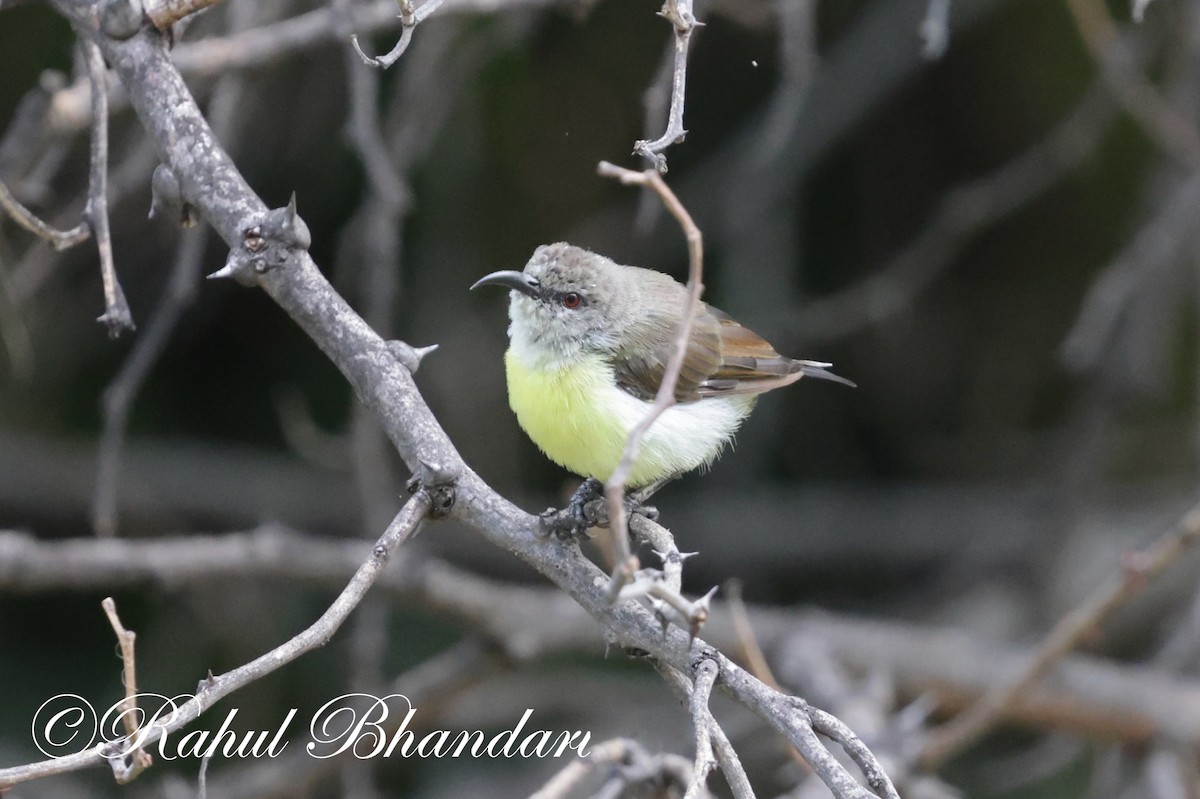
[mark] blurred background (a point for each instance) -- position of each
(982, 212)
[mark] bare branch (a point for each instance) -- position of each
(702, 721)
(59, 239)
(727, 757)
(1172, 131)
(665, 398)
(964, 212)
(683, 22)
(116, 316)
(403, 527)
(832, 727)
(125, 639)
(1138, 570)
(1156, 245)
(409, 19)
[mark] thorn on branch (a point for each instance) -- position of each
(166, 198)
(266, 246)
(409, 357)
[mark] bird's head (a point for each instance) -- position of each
(564, 303)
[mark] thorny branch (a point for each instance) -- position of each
(269, 248)
(683, 22)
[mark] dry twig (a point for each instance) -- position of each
(702, 722)
(59, 239)
(116, 316)
(125, 639)
(1172, 131)
(1138, 570)
(614, 488)
(409, 19)
(403, 527)
(683, 22)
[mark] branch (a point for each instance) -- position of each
(964, 212)
(125, 639)
(59, 239)
(683, 22)
(615, 487)
(409, 19)
(215, 687)
(1138, 571)
(116, 316)
(1170, 130)
(1085, 695)
(702, 722)
(1157, 244)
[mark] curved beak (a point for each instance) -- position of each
(517, 281)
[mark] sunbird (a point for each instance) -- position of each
(589, 343)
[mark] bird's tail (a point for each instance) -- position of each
(818, 369)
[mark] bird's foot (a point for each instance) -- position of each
(583, 512)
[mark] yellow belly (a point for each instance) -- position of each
(579, 417)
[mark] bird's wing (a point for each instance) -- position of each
(723, 358)
(639, 370)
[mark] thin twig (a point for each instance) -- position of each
(963, 213)
(702, 721)
(1155, 246)
(126, 639)
(410, 18)
(614, 488)
(606, 753)
(683, 22)
(1172, 131)
(727, 757)
(59, 239)
(210, 690)
(1138, 570)
(834, 728)
(116, 316)
(122, 392)
(165, 13)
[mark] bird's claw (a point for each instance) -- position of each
(586, 509)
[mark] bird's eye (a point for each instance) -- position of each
(571, 300)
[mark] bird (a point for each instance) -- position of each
(589, 344)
